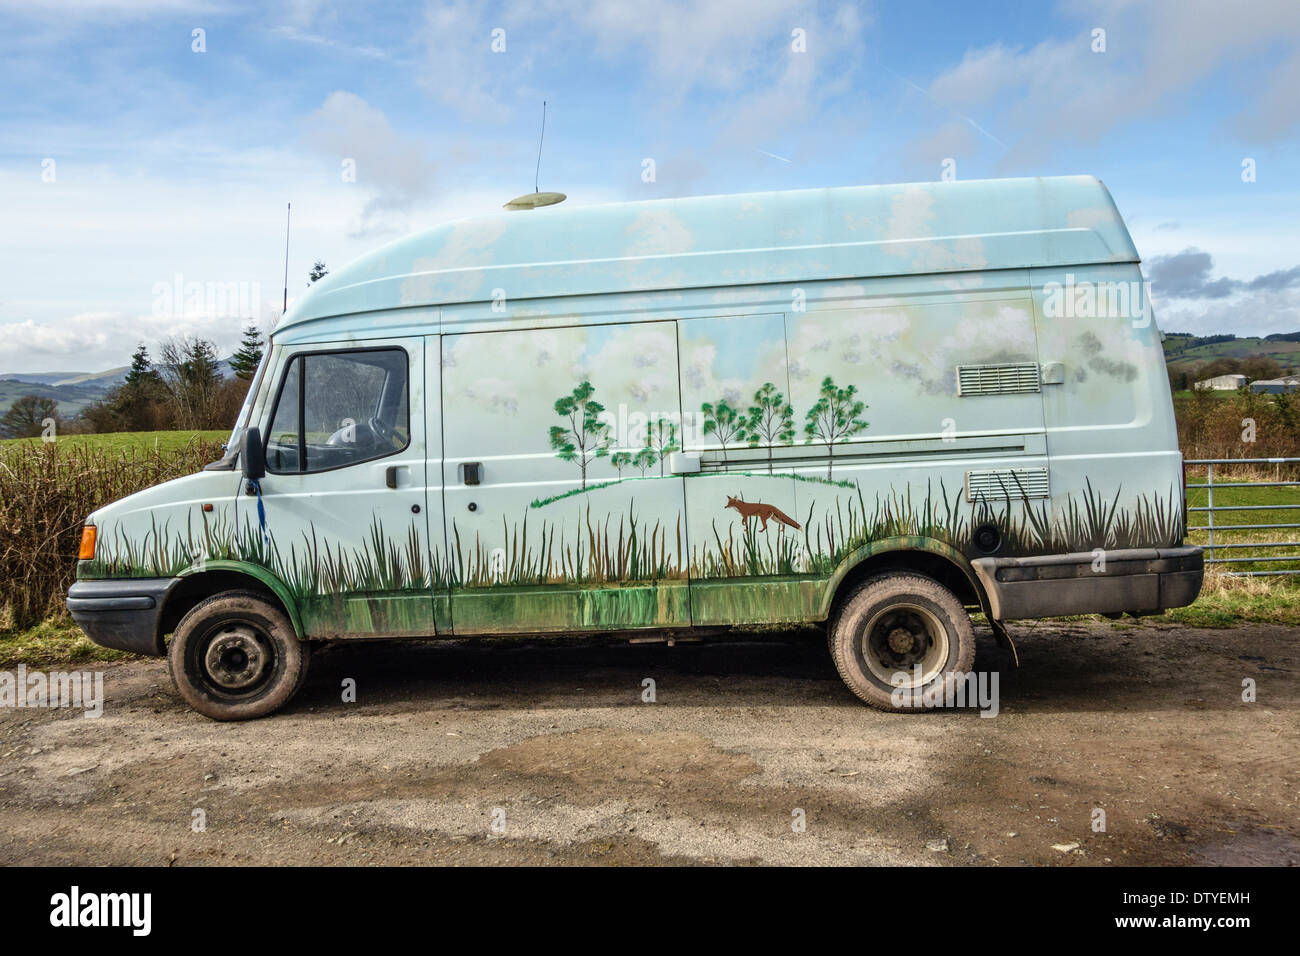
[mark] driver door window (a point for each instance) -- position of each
(339, 408)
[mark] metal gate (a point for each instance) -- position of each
(1224, 533)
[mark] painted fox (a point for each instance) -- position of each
(762, 512)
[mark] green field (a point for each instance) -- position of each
(1182, 350)
(121, 441)
(1258, 497)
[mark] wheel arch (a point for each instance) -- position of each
(216, 576)
(927, 556)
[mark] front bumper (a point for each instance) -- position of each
(124, 613)
(1136, 580)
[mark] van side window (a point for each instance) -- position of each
(339, 408)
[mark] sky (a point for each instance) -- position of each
(148, 148)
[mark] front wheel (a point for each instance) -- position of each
(900, 639)
(235, 656)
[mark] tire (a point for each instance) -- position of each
(914, 621)
(235, 656)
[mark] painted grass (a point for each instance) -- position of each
(600, 552)
(623, 549)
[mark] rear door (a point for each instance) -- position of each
(345, 495)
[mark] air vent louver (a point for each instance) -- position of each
(1006, 379)
(1003, 483)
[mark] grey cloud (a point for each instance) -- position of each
(1186, 275)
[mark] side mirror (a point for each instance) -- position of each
(252, 453)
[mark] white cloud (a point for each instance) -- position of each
(1061, 92)
(394, 170)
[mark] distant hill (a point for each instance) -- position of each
(1184, 350)
(72, 390)
(41, 378)
(98, 381)
(71, 398)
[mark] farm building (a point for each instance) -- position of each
(1222, 383)
(1275, 386)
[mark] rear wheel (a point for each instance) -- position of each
(235, 656)
(899, 638)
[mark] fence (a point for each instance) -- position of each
(1221, 536)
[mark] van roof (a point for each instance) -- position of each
(750, 238)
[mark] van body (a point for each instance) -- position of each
(690, 413)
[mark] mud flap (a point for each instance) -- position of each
(1004, 641)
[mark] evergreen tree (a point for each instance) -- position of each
(133, 405)
(141, 374)
(244, 362)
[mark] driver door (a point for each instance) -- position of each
(345, 495)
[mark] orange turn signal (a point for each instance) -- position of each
(87, 550)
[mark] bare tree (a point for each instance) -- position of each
(191, 380)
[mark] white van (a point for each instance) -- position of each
(877, 407)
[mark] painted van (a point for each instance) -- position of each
(878, 407)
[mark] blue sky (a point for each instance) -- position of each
(129, 162)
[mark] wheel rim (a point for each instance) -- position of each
(899, 639)
(237, 659)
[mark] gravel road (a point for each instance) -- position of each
(546, 753)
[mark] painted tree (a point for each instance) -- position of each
(621, 460)
(645, 458)
(586, 438)
(833, 418)
(318, 271)
(770, 421)
(662, 438)
(725, 423)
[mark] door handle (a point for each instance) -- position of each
(390, 476)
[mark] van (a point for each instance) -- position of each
(876, 408)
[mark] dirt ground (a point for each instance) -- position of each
(545, 753)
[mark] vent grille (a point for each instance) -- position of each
(1003, 483)
(1004, 379)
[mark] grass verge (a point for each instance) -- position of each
(52, 643)
(1228, 601)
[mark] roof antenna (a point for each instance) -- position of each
(540, 139)
(537, 198)
(288, 211)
